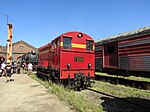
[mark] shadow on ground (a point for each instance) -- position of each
(117, 105)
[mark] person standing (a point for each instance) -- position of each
(3, 65)
(18, 67)
(30, 68)
(14, 66)
(8, 70)
(23, 65)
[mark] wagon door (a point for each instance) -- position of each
(111, 55)
(98, 57)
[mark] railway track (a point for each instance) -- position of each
(132, 83)
(135, 106)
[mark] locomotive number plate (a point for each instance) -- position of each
(78, 59)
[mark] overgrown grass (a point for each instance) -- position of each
(78, 101)
(129, 77)
(120, 90)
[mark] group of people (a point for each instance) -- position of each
(7, 69)
(27, 67)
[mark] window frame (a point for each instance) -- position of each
(89, 46)
(67, 44)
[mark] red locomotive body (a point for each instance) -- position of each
(44, 56)
(124, 53)
(69, 59)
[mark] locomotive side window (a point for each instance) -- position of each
(89, 45)
(57, 42)
(67, 43)
(110, 49)
(53, 45)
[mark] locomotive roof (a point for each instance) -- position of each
(69, 34)
(76, 32)
(130, 34)
(44, 46)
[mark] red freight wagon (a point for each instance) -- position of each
(124, 53)
(68, 59)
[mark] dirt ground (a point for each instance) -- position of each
(27, 95)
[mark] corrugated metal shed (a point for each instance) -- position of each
(130, 34)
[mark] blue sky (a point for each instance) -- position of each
(37, 22)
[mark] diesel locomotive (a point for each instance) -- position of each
(68, 59)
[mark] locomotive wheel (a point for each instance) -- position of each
(37, 72)
(55, 79)
(76, 86)
(69, 83)
(49, 79)
(52, 76)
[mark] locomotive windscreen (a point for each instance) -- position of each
(67, 42)
(89, 45)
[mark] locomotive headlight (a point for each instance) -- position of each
(33, 52)
(68, 66)
(80, 35)
(89, 65)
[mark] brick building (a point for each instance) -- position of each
(18, 48)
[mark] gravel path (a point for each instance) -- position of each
(27, 95)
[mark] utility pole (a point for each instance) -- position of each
(9, 44)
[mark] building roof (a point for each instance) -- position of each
(21, 41)
(130, 34)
